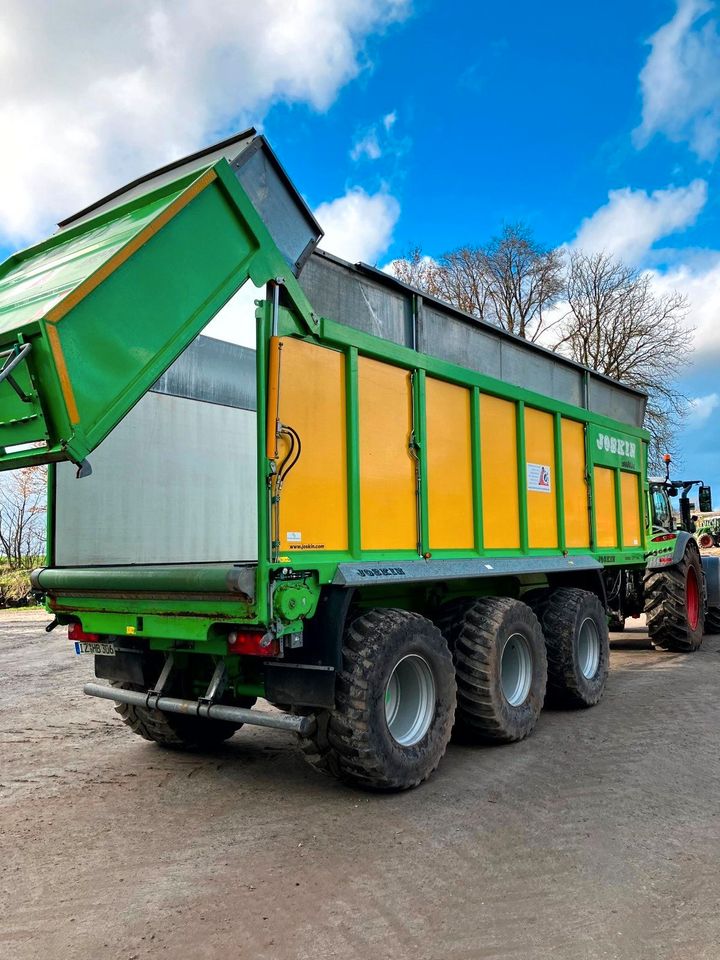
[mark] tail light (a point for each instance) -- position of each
(253, 643)
(76, 632)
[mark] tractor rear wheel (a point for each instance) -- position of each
(674, 603)
(712, 620)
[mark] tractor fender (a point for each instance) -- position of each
(661, 561)
(711, 569)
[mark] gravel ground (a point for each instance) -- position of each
(599, 837)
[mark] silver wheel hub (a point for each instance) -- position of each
(516, 669)
(588, 649)
(410, 700)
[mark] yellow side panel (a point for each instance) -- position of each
(630, 510)
(575, 498)
(313, 502)
(449, 465)
(605, 522)
(498, 451)
(388, 506)
(541, 480)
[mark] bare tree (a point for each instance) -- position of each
(22, 515)
(613, 323)
(617, 325)
(417, 270)
(524, 279)
(511, 281)
(458, 277)
(462, 279)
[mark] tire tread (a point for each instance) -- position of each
(665, 605)
(559, 623)
(475, 628)
(340, 744)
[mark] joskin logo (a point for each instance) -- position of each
(381, 572)
(610, 444)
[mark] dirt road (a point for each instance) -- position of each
(599, 837)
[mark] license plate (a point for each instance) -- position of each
(103, 649)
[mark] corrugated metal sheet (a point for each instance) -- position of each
(175, 480)
(370, 300)
(173, 483)
(289, 220)
(214, 371)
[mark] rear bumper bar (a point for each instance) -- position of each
(231, 580)
(214, 711)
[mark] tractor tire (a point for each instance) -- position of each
(712, 620)
(174, 730)
(578, 648)
(673, 604)
(394, 704)
(705, 540)
(501, 671)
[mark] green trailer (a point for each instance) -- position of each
(383, 517)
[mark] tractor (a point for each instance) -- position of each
(708, 533)
(679, 591)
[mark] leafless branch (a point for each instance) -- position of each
(22, 515)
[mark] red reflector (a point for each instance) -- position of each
(76, 632)
(252, 643)
(664, 536)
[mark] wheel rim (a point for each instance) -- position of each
(588, 648)
(410, 700)
(516, 666)
(692, 598)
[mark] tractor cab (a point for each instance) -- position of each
(661, 515)
(661, 491)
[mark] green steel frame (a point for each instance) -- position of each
(354, 343)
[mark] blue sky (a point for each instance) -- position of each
(403, 122)
(524, 111)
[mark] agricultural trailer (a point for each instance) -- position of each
(387, 519)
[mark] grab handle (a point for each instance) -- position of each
(15, 357)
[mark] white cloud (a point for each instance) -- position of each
(367, 146)
(633, 220)
(680, 81)
(95, 93)
(235, 322)
(358, 226)
(701, 409)
(389, 120)
(700, 283)
(374, 141)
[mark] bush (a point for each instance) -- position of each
(14, 587)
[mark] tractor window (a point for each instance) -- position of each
(662, 517)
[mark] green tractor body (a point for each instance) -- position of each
(679, 591)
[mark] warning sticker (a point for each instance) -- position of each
(538, 477)
(294, 536)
